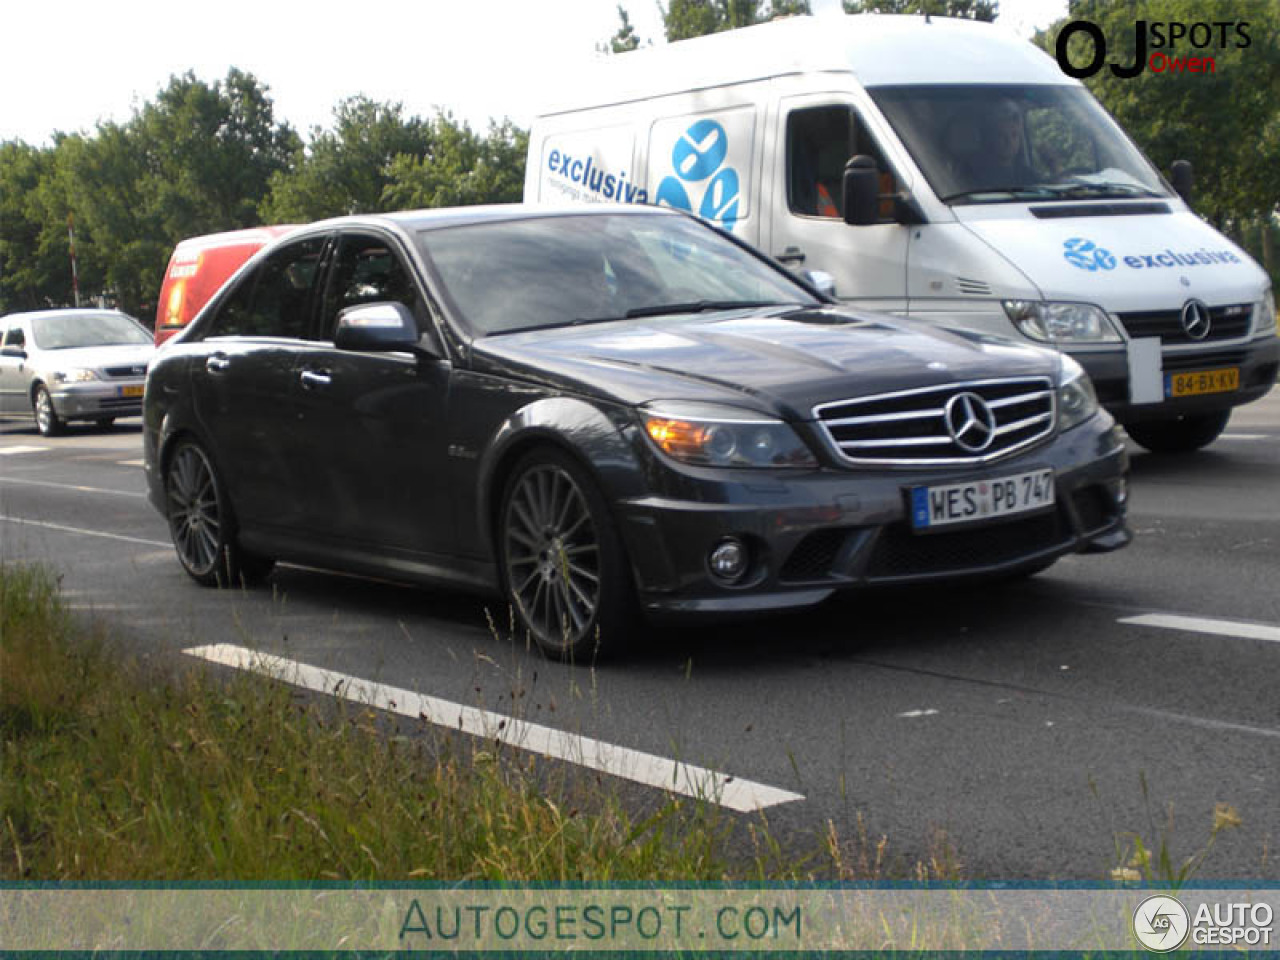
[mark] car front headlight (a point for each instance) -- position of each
(1052, 322)
(1264, 324)
(711, 436)
(74, 375)
(1077, 401)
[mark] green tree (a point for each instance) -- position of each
(625, 40)
(986, 10)
(683, 19)
(28, 278)
(1227, 123)
(347, 169)
(460, 168)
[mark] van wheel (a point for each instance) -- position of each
(564, 569)
(47, 420)
(202, 524)
(104, 423)
(1179, 434)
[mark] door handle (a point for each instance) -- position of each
(315, 379)
(791, 255)
(218, 363)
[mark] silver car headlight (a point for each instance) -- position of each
(74, 375)
(1051, 321)
(712, 436)
(1264, 312)
(1077, 401)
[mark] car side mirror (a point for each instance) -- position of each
(385, 327)
(1182, 178)
(13, 352)
(861, 191)
(821, 281)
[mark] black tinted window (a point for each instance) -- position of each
(275, 300)
(15, 338)
(366, 270)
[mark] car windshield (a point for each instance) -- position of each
(993, 143)
(513, 275)
(67, 330)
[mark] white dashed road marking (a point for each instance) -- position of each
(912, 714)
(71, 486)
(1219, 628)
(1245, 436)
(5, 451)
(727, 791)
(82, 532)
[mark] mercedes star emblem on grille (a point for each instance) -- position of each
(970, 422)
(1196, 320)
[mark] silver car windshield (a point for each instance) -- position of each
(70, 330)
(995, 143)
(507, 276)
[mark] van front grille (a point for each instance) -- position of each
(1229, 322)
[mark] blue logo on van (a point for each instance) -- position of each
(699, 156)
(1087, 255)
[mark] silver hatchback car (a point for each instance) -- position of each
(62, 365)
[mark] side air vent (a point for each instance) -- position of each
(974, 288)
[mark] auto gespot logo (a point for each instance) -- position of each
(1084, 254)
(699, 168)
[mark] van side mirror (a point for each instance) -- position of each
(385, 327)
(861, 191)
(1182, 178)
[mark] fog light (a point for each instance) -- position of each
(728, 559)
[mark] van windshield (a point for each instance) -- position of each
(995, 143)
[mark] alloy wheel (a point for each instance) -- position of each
(552, 556)
(195, 512)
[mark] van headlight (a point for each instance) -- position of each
(1265, 313)
(1077, 401)
(711, 436)
(1052, 322)
(74, 375)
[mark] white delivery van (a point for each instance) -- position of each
(941, 169)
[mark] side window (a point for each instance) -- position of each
(15, 338)
(276, 299)
(820, 141)
(367, 270)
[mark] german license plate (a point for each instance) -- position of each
(940, 506)
(1195, 382)
(132, 391)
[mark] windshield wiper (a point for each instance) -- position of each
(998, 194)
(1091, 190)
(700, 306)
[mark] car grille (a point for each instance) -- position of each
(132, 371)
(1204, 360)
(900, 553)
(1226, 323)
(911, 427)
(814, 556)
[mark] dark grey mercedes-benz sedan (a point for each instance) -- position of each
(606, 411)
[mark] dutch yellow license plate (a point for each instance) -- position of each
(1196, 382)
(132, 391)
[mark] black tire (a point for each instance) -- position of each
(104, 423)
(47, 420)
(564, 569)
(202, 523)
(1179, 434)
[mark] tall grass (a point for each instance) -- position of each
(113, 772)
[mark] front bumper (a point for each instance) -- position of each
(812, 534)
(96, 400)
(1257, 360)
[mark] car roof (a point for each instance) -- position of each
(29, 315)
(432, 219)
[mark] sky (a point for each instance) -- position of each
(67, 64)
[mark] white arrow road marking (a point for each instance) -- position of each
(1219, 628)
(728, 791)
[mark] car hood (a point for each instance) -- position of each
(1123, 263)
(785, 362)
(96, 358)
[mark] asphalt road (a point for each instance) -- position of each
(1018, 722)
